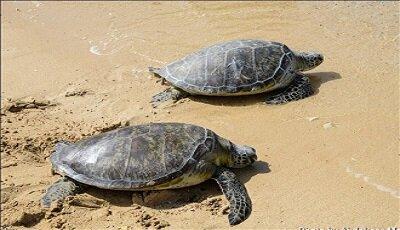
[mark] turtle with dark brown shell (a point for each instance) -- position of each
(153, 156)
(240, 67)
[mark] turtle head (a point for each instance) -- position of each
(308, 60)
(242, 156)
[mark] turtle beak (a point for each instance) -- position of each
(320, 58)
(253, 156)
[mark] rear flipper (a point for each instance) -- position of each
(58, 191)
(168, 94)
(235, 192)
(300, 88)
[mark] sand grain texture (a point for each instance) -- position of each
(89, 62)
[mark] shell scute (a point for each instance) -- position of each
(131, 157)
(239, 71)
(235, 67)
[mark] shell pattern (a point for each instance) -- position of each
(233, 68)
(135, 157)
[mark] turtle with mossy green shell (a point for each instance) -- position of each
(240, 67)
(153, 156)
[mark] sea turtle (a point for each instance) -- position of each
(240, 67)
(153, 156)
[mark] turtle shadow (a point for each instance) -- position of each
(113, 197)
(174, 198)
(316, 79)
(234, 101)
(319, 78)
(258, 167)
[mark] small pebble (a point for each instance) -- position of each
(328, 125)
(146, 216)
(163, 224)
(225, 210)
(312, 118)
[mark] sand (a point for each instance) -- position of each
(76, 69)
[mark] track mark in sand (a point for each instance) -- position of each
(393, 192)
(148, 57)
(111, 43)
(94, 49)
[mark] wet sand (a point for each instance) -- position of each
(81, 69)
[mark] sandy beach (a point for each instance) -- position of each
(74, 69)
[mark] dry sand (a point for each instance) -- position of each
(81, 68)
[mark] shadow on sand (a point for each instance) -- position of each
(174, 198)
(316, 79)
(319, 78)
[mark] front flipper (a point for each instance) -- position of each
(298, 89)
(236, 193)
(166, 95)
(58, 191)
